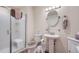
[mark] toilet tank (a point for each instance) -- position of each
(38, 36)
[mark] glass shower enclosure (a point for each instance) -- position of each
(12, 32)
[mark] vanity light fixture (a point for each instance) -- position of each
(53, 7)
(46, 9)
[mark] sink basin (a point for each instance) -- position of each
(51, 36)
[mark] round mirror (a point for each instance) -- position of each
(52, 18)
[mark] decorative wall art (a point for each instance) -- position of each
(65, 22)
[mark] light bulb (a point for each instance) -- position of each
(46, 9)
(50, 8)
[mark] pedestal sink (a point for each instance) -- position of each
(50, 42)
(51, 36)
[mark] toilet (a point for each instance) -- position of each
(38, 37)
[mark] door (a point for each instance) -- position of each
(4, 30)
(18, 33)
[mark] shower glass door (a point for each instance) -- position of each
(18, 33)
(4, 30)
(12, 32)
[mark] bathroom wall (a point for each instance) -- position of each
(72, 12)
(39, 19)
(28, 10)
(40, 24)
(73, 15)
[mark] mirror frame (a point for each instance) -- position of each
(57, 17)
